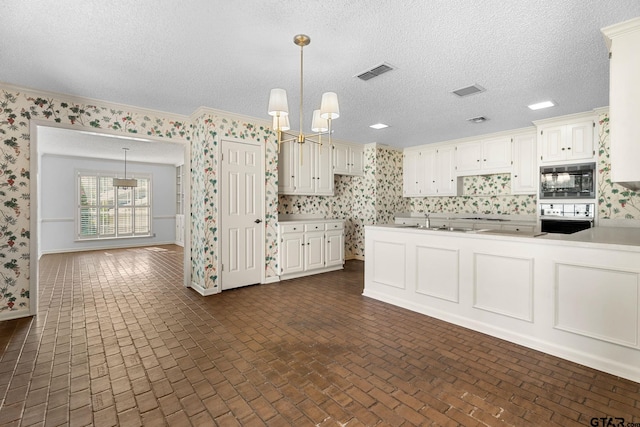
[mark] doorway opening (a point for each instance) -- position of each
(60, 154)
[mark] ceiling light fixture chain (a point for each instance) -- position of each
(321, 122)
(124, 182)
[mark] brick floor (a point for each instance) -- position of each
(119, 341)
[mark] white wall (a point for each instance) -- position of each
(57, 203)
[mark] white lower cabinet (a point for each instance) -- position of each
(314, 250)
(292, 252)
(334, 253)
(310, 247)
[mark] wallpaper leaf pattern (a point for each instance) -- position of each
(208, 129)
(371, 199)
(483, 194)
(360, 200)
(17, 109)
(614, 201)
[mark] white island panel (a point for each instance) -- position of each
(437, 272)
(389, 262)
(504, 285)
(597, 302)
(509, 287)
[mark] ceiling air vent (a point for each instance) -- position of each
(375, 72)
(478, 119)
(469, 90)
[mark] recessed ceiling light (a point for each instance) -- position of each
(379, 126)
(541, 105)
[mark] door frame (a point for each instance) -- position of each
(34, 209)
(261, 209)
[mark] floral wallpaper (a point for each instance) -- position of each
(483, 194)
(371, 199)
(207, 129)
(614, 201)
(17, 109)
(339, 206)
(359, 200)
(389, 200)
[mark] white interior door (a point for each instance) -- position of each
(242, 184)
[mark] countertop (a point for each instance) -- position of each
(308, 218)
(603, 235)
(622, 238)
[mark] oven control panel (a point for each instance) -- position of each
(568, 210)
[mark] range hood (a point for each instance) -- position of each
(623, 40)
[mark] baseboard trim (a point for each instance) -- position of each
(202, 291)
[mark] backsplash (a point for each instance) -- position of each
(360, 200)
(483, 194)
(339, 206)
(614, 201)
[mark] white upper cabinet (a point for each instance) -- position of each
(413, 175)
(484, 157)
(348, 159)
(468, 157)
(430, 172)
(567, 140)
(623, 40)
(305, 169)
(524, 176)
(446, 182)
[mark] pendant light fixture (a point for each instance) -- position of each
(124, 182)
(279, 109)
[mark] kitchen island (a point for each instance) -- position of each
(573, 296)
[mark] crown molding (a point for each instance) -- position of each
(92, 101)
(616, 30)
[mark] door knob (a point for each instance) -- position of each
(258, 221)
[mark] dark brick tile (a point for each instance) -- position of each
(304, 352)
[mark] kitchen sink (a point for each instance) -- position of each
(423, 227)
(458, 229)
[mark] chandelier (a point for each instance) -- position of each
(321, 120)
(124, 182)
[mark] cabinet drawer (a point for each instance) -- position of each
(524, 228)
(314, 227)
(291, 228)
(334, 226)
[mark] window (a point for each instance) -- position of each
(105, 211)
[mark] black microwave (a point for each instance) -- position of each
(575, 181)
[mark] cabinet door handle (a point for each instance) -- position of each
(568, 148)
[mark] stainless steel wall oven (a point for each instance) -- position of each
(575, 181)
(566, 218)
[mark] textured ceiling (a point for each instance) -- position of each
(177, 56)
